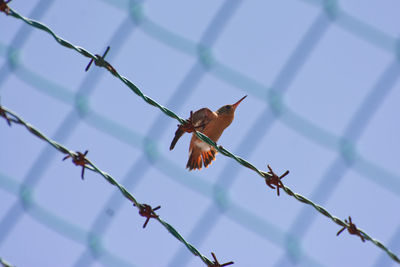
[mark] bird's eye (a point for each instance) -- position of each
(228, 107)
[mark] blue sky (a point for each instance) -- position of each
(322, 80)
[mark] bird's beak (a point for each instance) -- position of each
(237, 103)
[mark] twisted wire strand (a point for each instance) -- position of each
(5, 263)
(265, 175)
(91, 166)
(338, 221)
(103, 63)
(100, 62)
(247, 219)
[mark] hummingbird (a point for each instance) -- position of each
(209, 123)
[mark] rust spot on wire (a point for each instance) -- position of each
(79, 160)
(4, 7)
(352, 228)
(275, 180)
(217, 264)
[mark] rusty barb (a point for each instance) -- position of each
(275, 180)
(217, 264)
(4, 7)
(79, 159)
(148, 212)
(99, 61)
(352, 228)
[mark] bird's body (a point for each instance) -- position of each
(210, 123)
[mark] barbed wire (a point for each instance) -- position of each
(99, 61)
(5, 263)
(289, 117)
(48, 218)
(11, 117)
(251, 221)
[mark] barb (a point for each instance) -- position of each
(148, 212)
(275, 180)
(99, 61)
(265, 175)
(79, 160)
(4, 7)
(217, 264)
(352, 228)
(144, 209)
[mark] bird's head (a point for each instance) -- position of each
(229, 109)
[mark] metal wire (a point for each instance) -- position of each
(5, 263)
(102, 63)
(91, 166)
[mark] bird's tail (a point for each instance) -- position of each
(198, 157)
(178, 135)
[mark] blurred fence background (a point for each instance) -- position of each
(322, 79)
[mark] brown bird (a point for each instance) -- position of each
(209, 123)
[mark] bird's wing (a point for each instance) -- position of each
(200, 152)
(200, 119)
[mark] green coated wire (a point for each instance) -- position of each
(291, 119)
(102, 63)
(56, 223)
(245, 218)
(5, 263)
(89, 165)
